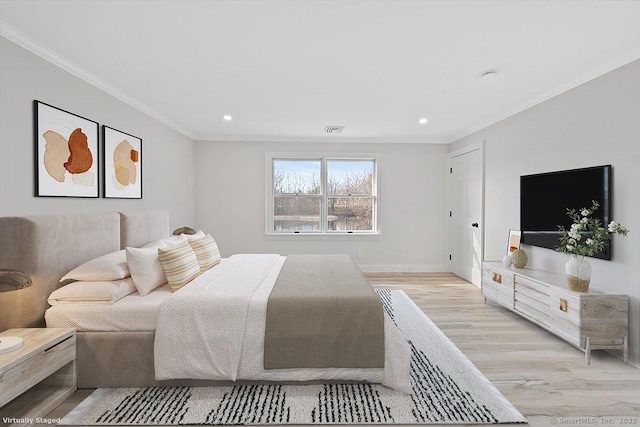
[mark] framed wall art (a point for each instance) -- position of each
(122, 164)
(66, 151)
(514, 241)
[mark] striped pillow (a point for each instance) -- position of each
(179, 264)
(206, 251)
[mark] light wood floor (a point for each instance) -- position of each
(545, 378)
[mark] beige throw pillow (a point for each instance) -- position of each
(179, 264)
(206, 251)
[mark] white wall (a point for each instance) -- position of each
(167, 156)
(230, 183)
(594, 124)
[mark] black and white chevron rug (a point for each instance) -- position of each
(447, 389)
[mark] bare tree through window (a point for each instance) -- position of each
(345, 201)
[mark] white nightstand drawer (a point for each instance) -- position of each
(40, 375)
(24, 376)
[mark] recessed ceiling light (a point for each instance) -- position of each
(227, 117)
(423, 121)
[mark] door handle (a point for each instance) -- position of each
(474, 225)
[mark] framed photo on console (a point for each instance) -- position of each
(514, 241)
(66, 153)
(122, 164)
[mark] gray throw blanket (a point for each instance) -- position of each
(323, 313)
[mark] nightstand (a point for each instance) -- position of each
(40, 375)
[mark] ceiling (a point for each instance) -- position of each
(286, 69)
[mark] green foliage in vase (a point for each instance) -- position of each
(587, 235)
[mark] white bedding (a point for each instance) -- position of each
(133, 313)
(227, 306)
(201, 328)
(230, 311)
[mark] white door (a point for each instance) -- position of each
(465, 214)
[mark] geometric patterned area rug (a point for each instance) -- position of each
(447, 389)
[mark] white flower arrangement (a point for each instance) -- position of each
(586, 236)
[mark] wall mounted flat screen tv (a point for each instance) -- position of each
(545, 197)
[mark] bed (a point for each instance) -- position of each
(111, 353)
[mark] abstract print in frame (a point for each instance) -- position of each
(66, 153)
(514, 241)
(122, 165)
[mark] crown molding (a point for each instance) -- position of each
(11, 33)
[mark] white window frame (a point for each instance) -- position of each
(324, 208)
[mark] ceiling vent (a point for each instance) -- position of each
(333, 129)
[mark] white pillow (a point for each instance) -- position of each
(145, 268)
(156, 244)
(112, 266)
(82, 292)
(167, 242)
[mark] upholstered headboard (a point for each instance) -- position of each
(141, 227)
(46, 247)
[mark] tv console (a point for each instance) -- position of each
(589, 321)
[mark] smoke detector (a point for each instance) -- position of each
(333, 129)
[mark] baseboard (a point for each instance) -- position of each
(401, 268)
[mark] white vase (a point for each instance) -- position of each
(578, 272)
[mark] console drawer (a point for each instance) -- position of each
(564, 307)
(497, 285)
(524, 285)
(532, 299)
(533, 310)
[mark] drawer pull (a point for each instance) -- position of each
(497, 278)
(57, 344)
(564, 305)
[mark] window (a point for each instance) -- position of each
(322, 195)
(297, 198)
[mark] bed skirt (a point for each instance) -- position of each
(115, 359)
(125, 359)
(121, 359)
